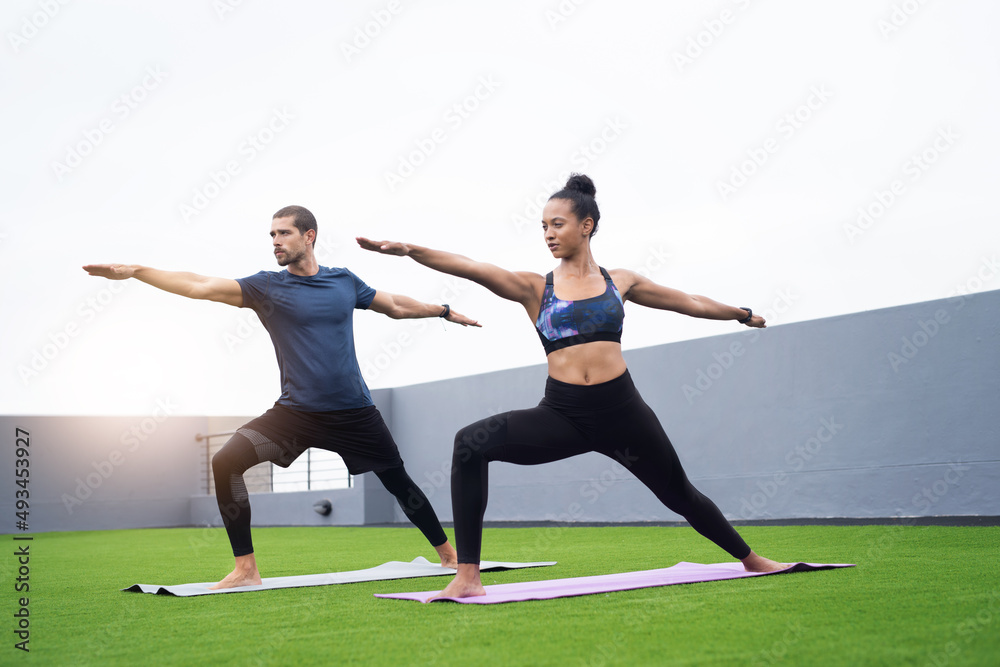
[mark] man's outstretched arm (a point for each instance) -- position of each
(191, 285)
(400, 307)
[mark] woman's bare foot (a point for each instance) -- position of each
(244, 574)
(466, 583)
(449, 558)
(755, 563)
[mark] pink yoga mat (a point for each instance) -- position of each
(682, 573)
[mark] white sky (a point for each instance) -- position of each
(117, 114)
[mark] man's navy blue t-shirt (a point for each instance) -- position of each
(311, 322)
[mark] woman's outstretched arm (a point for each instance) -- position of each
(645, 292)
(523, 287)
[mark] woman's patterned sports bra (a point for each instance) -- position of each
(564, 323)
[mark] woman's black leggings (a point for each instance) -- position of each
(610, 418)
(240, 454)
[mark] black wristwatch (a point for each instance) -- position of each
(747, 318)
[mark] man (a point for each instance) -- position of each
(307, 309)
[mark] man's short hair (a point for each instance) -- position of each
(302, 218)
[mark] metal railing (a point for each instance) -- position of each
(316, 469)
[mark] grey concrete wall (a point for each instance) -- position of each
(876, 414)
(94, 473)
(289, 509)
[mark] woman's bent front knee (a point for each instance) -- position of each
(477, 439)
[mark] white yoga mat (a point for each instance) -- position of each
(418, 567)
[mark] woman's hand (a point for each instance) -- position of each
(384, 247)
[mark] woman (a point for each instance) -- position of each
(590, 402)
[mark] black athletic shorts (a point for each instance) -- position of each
(358, 435)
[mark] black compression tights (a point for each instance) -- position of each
(240, 454)
(610, 418)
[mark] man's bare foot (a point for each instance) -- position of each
(449, 558)
(755, 563)
(466, 583)
(244, 574)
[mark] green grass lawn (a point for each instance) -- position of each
(920, 596)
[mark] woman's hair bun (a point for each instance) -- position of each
(581, 183)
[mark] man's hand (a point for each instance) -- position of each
(401, 307)
(459, 318)
(384, 247)
(111, 271)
